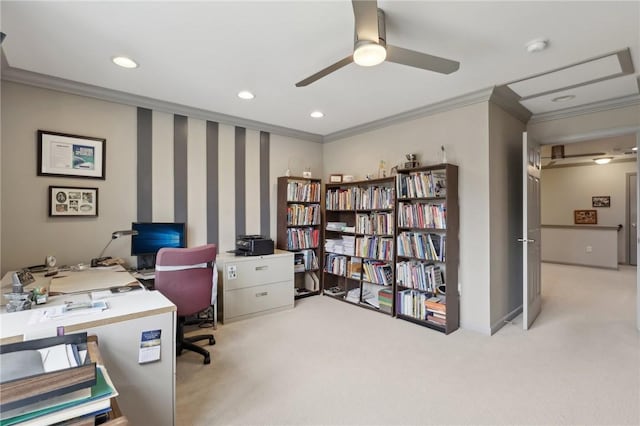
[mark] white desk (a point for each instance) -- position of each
(147, 391)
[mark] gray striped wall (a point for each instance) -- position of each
(213, 176)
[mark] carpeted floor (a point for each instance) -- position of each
(327, 363)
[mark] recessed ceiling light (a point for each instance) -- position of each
(564, 98)
(317, 114)
(537, 45)
(125, 62)
(245, 94)
(635, 148)
(603, 160)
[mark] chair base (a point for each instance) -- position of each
(188, 343)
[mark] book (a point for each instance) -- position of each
(44, 413)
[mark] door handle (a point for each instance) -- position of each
(526, 240)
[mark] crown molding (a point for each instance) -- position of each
(16, 75)
(509, 100)
(591, 108)
(447, 105)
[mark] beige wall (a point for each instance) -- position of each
(566, 189)
(464, 133)
(505, 171)
(28, 234)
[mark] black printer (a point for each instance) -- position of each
(253, 245)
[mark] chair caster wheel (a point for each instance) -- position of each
(212, 341)
(207, 359)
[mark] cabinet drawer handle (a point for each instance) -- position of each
(261, 268)
(264, 293)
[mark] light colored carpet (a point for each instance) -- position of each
(329, 363)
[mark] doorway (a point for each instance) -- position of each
(632, 214)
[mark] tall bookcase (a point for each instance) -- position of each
(359, 243)
(299, 226)
(427, 254)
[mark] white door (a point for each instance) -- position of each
(531, 288)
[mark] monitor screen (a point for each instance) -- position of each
(152, 236)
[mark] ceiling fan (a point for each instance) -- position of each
(371, 48)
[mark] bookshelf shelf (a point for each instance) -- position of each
(427, 254)
(299, 228)
(361, 218)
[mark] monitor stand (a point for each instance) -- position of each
(146, 262)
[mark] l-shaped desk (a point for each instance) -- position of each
(147, 391)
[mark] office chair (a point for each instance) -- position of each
(185, 276)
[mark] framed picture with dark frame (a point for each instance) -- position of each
(585, 217)
(62, 154)
(601, 201)
(73, 201)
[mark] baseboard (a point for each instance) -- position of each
(505, 319)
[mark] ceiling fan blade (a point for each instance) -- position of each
(328, 70)
(366, 19)
(412, 58)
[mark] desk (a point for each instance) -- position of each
(147, 391)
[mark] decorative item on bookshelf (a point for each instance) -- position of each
(335, 178)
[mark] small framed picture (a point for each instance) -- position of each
(601, 201)
(335, 178)
(73, 201)
(62, 154)
(585, 217)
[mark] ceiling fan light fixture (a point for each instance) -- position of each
(124, 62)
(368, 53)
(603, 160)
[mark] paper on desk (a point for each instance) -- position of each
(63, 311)
(91, 279)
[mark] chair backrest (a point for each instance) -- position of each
(188, 286)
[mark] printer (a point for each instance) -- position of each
(253, 245)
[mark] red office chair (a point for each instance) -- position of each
(185, 276)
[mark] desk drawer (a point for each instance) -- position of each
(252, 300)
(258, 271)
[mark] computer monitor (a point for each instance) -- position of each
(152, 236)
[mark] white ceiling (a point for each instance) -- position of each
(200, 54)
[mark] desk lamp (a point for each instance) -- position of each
(114, 235)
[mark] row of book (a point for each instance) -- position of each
(343, 245)
(377, 272)
(422, 184)
(374, 247)
(302, 238)
(422, 215)
(354, 198)
(419, 275)
(301, 214)
(336, 264)
(380, 223)
(305, 260)
(422, 306)
(421, 245)
(308, 192)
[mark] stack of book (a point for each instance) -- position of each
(385, 297)
(436, 310)
(51, 380)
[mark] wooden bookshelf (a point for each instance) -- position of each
(359, 243)
(299, 230)
(427, 247)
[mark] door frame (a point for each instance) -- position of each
(627, 240)
(616, 131)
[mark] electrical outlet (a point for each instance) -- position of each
(232, 272)
(588, 249)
